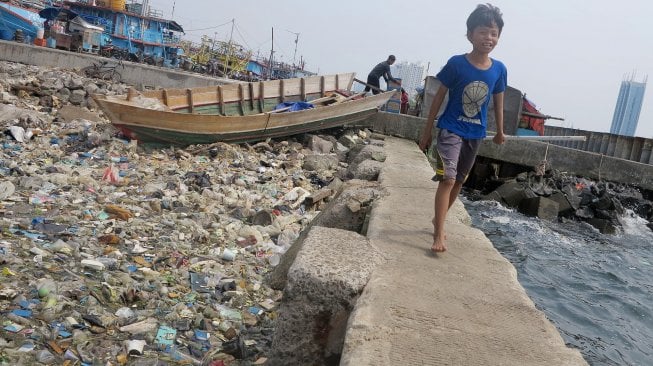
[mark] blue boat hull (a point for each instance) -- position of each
(13, 18)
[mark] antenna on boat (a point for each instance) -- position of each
(271, 56)
(229, 51)
(172, 16)
(294, 56)
(145, 8)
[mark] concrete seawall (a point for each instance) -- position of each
(463, 307)
(133, 73)
(590, 164)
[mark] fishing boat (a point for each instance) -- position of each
(18, 18)
(134, 30)
(239, 112)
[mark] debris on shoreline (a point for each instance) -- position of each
(116, 253)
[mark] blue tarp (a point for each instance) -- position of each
(294, 106)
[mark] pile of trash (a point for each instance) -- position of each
(113, 253)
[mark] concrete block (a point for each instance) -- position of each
(541, 207)
(366, 170)
(564, 207)
(603, 225)
(572, 195)
(513, 192)
(324, 282)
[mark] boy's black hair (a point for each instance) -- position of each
(485, 15)
(392, 57)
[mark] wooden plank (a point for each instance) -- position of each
(323, 100)
(189, 93)
(350, 97)
(371, 86)
(241, 95)
(318, 196)
(261, 97)
(280, 110)
(166, 101)
(302, 88)
(221, 99)
(251, 95)
(282, 92)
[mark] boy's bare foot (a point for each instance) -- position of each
(445, 235)
(438, 247)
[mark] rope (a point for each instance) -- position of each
(267, 122)
(541, 167)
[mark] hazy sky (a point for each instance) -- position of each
(568, 56)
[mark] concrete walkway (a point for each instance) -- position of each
(464, 307)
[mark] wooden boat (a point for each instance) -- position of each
(238, 112)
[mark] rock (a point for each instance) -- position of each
(319, 145)
(366, 170)
(369, 152)
(349, 141)
(6, 97)
(512, 193)
(564, 206)
(572, 196)
(77, 97)
(540, 207)
(69, 113)
(349, 209)
(603, 225)
(320, 163)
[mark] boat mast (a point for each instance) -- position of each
(271, 56)
(228, 55)
(143, 13)
(294, 56)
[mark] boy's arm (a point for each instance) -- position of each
(499, 138)
(425, 140)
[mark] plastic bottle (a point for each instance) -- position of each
(109, 263)
(45, 357)
(46, 287)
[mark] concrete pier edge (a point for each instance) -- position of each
(463, 307)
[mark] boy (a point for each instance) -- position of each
(469, 79)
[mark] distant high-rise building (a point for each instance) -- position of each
(411, 74)
(629, 104)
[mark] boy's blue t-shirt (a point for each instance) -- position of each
(469, 95)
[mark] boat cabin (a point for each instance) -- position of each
(134, 28)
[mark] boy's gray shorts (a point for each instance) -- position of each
(457, 154)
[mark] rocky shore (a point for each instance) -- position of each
(553, 195)
(115, 253)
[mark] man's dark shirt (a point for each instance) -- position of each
(382, 69)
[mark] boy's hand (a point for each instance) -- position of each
(499, 138)
(425, 141)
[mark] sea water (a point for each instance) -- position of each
(596, 289)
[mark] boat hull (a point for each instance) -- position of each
(14, 17)
(173, 128)
(238, 112)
